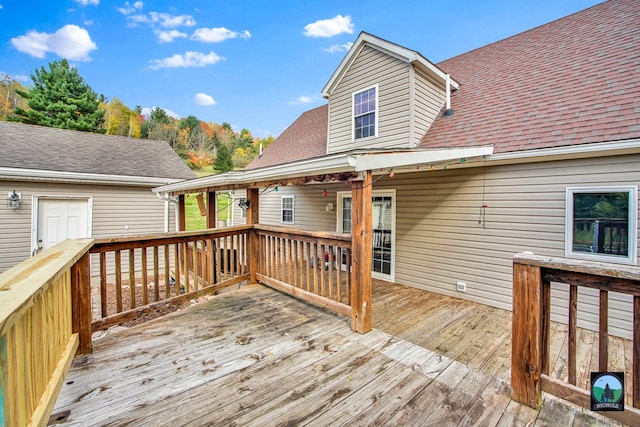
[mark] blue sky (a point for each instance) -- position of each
(254, 64)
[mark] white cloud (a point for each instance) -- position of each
(204, 99)
(189, 59)
(129, 9)
(216, 35)
(88, 2)
(164, 19)
(70, 42)
(329, 27)
(21, 77)
(169, 36)
(339, 47)
(303, 100)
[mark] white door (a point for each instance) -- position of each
(383, 224)
(60, 219)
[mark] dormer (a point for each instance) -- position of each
(383, 96)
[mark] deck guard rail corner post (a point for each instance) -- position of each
(253, 198)
(361, 242)
(526, 361)
(81, 303)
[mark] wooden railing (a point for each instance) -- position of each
(532, 277)
(41, 321)
(139, 275)
(314, 266)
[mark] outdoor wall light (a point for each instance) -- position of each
(329, 207)
(243, 204)
(13, 200)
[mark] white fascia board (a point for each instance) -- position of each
(321, 165)
(595, 149)
(16, 174)
(373, 161)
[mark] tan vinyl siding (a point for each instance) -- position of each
(309, 207)
(392, 77)
(440, 240)
(429, 100)
(114, 208)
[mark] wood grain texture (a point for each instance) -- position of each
(254, 356)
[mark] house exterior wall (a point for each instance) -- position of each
(440, 240)
(392, 77)
(117, 211)
(429, 100)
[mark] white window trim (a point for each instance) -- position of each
(631, 257)
(353, 114)
(293, 209)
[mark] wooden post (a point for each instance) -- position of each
(182, 219)
(361, 231)
(212, 210)
(81, 303)
(253, 247)
(526, 361)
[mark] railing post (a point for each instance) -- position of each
(212, 210)
(81, 303)
(526, 354)
(361, 231)
(252, 219)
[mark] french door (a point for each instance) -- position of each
(383, 223)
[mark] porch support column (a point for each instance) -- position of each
(253, 249)
(361, 254)
(212, 210)
(182, 219)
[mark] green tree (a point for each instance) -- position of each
(224, 162)
(61, 98)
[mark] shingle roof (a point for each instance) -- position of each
(306, 138)
(44, 148)
(572, 81)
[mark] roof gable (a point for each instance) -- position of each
(571, 81)
(50, 149)
(392, 49)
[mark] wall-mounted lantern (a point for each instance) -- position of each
(13, 200)
(243, 204)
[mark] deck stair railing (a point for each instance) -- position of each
(42, 323)
(532, 278)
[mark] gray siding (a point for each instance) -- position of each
(309, 207)
(392, 76)
(114, 209)
(429, 100)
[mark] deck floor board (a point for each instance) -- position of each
(253, 357)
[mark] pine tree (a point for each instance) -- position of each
(224, 162)
(60, 98)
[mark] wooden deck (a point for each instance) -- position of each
(254, 356)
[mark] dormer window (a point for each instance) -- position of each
(365, 104)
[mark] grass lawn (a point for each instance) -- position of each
(195, 221)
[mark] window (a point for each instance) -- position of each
(601, 224)
(364, 113)
(287, 209)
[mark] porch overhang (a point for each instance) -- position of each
(341, 167)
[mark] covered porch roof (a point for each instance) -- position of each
(332, 168)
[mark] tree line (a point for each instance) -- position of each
(59, 97)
